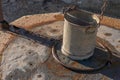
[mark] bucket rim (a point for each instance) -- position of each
(72, 19)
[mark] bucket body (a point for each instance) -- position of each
(79, 36)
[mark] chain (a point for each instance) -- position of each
(73, 7)
(103, 8)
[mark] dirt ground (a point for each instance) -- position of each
(14, 9)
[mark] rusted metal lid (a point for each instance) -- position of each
(81, 17)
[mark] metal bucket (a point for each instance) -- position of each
(79, 37)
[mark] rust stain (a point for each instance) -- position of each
(119, 41)
(56, 68)
(111, 22)
(5, 39)
(118, 46)
(108, 34)
(32, 21)
(75, 64)
(77, 76)
(54, 30)
(59, 17)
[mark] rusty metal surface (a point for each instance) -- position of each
(109, 73)
(87, 66)
(50, 69)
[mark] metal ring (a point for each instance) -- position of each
(78, 70)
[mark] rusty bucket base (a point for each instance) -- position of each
(77, 57)
(99, 58)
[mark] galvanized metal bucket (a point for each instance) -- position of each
(79, 37)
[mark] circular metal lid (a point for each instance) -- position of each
(81, 17)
